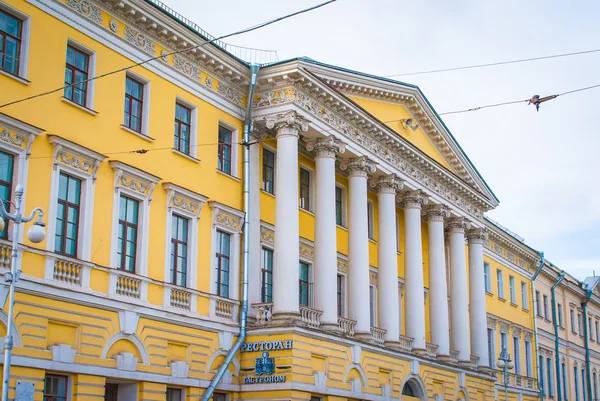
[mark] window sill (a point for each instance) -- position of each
(371, 240)
(525, 310)
(15, 77)
(80, 107)
(145, 137)
(267, 193)
(562, 328)
(489, 294)
(191, 158)
(228, 175)
(306, 211)
(501, 299)
(341, 227)
(547, 320)
(514, 305)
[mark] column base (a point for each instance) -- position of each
(395, 345)
(419, 351)
(444, 358)
(486, 370)
(364, 336)
(285, 319)
(331, 327)
(465, 364)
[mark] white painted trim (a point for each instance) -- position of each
(134, 339)
(234, 148)
(145, 101)
(16, 335)
(344, 293)
(91, 85)
(193, 126)
(311, 186)
(25, 38)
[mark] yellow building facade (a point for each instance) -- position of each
(384, 281)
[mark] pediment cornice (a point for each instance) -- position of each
(328, 106)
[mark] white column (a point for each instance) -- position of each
(387, 269)
(358, 244)
(477, 297)
(414, 297)
(254, 214)
(459, 297)
(438, 291)
(286, 258)
(325, 268)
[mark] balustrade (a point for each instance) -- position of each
(406, 343)
(346, 326)
(310, 317)
(431, 350)
(67, 272)
(224, 308)
(5, 255)
(129, 286)
(181, 299)
(377, 335)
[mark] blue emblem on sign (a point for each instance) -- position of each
(265, 365)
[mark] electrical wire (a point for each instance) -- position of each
(524, 60)
(240, 32)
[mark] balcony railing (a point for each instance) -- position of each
(224, 308)
(474, 360)
(406, 343)
(5, 255)
(518, 381)
(346, 326)
(129, 286)
(68, 272)
(180, 299)
(310, 317)
(431, 350)
(454, 354)
(377, 335)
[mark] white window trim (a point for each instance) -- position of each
(528, 362)
(91, 85)
(371, 220)
(187, 204)
(25, 40)
(145, 106)
(344, 205)
(488, 279)
(138, 185)
(81, 163)
(373, 306)
(193, 125)
(234, 148)
(500, 283)
(493, 346)
(524, 298)
(228, 220)
(271, 248)
(16, 138)
(311, 271)
(517, 354)
(344, 309)
(262, 185)
(311, 188)
(512, 290)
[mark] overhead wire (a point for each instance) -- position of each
(242, 31)
(467, 67)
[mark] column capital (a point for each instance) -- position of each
(390, 183)
(328, 146)
(257, 133)
(477, 235)
(359, 166)
(436, 212)
(288, 123)
(457, 224)
(413, 199)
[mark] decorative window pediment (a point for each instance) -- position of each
(504, 327)
(226, 216)
(75, 156)
(267, 235)
(17, 135)
(183, 199)
(307, 249)
(133, 179)
(492, 322)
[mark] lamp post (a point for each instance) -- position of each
(506, 364)
(36, 234)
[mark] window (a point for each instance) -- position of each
(486, 275)
(563, 369)
(305, 189)
(55, 388)
(550, 378)
(576, 381)
(339, 206)
(583, 387)
(372, 305)
(268, 173)
(173, 394)
(266, 276)
(223, 257)
(340, 295)
(111, 392)
(219, 397)
(11, 31)
(595, 379)
(128, 233)
(67, 215)
(76, 73)
(503, 341)
(183, 128)
(541, 375)
(528, 369)
(538, 304)
(560, 315)
(590, 328)
(546, 314)
(524, 300)
(580, 324)
(304, 283)
(513, 293)
(573, 321)
(500, 284)
(6, 178)
(225, 143)
(490, 341)
(371, 219)
(179, 250)
(517, 355)
(134, 104)
(397, 233)
(597, 331)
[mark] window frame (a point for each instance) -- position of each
(597, 326)
(565, 379)
(538, 304)
(371, 220)
(145, 118)
(193, 126)
(491, 346)
(524, 297)
(174, 272)
(308, 186)
(66, 205)
(528, 361)
(545, 301)
(343, 206)
(127, 224)
(264, 272)
(500, 283)
(486, 277)
(372, 305)
(10, 188)
(341, 294)
(90, 85)
(573, 321)
(517, 354)
(263, 166)
(174, 390)
(550, 377)
(308, 282)
(56, 397)
(580, 324)
(233, 149)
(512, 290)
(219, 257)
(559, 310)
(23, 65)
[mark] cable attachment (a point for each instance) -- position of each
(140, 151)
(536, 100)
(247, 144)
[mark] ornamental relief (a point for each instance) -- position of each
(494, 247)
(186, 67)
(267, 236)
(227, 220)
(230, 94)
(307, 251)
(372, 277)
(140, 40)
(293, 95)
(13, 138)
(342, 266)
(84, 8)
(135, 185)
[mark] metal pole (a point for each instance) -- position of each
(505, 382)
(8, 340)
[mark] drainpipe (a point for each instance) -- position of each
(588, 382)
(556, 342)
(537, 349)
(246, 241)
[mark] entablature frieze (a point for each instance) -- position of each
(399, 157)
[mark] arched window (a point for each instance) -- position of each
(410, 389)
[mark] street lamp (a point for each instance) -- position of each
(36, 234)
(506, 364)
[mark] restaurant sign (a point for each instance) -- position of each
(264, 366)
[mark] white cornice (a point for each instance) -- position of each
(512, 244)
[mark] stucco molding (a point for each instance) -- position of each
(134, 339)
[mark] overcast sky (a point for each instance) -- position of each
(543, 166)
